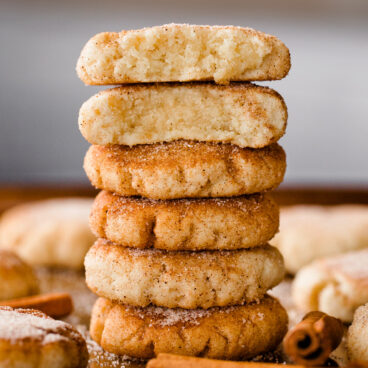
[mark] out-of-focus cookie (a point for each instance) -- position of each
(184, 169)
(16, 277)
(29, 338)
(238, 332)
(181, 279)
(185, 224)
(336, 285)
(311, 232)
(243, 114)
(182, 53)
(357, 338)
(53, 232)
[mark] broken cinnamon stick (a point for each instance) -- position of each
(313, 339)
(179, 361)
(55, 305)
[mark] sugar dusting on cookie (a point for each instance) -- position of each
(21, 324)
(104, 359)
(351, 265)
(170, 316)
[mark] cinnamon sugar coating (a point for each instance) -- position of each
(182, 279)
(185, 224)
(238, 332)
(185, 169)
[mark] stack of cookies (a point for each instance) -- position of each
(182, 263)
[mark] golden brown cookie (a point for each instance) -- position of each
(309, 232)
(243, 114)
(181, 279)
(184, 169)
(52, 232)
(185, 224)
(100, 358)
(182, 53)
(336, 285)
(29, 338)
(16, 277)
(238, 332)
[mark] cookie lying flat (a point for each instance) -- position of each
(336, 285)
(185, 169)
(16, 277)
(182, 53)
(48, 233)
(29, 338)
(181, 279)
(357, 338)
(238, 332)
(241, 114)
(185, 224)
(311, 232)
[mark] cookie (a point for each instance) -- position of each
(48, 233)
(238, 332)
(357, 337)
(29, 338)
(182, 53)
(185, 169)
(336, 285)
(16, 277)
(181, 279)
(185, 224)
(100, 358)
(243, 114)
(311, 232)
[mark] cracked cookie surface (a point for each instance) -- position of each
(29, 338)
(182, 279)
(185, 224)
(336, 285)
(238, 332)
(185, 169)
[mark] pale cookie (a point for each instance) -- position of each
(29, 338)
(185, 224)
(238, 332)
(311, 232)
(336, 285)
(49, 233)
(183, 169)
(182, 53)
(181, 279)
(357, 338)
(243, 114)
(16, 277)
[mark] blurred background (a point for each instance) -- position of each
(326, 90)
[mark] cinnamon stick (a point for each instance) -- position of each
(179, 361)
(55, 305)
(313, 339)
(358, 364)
